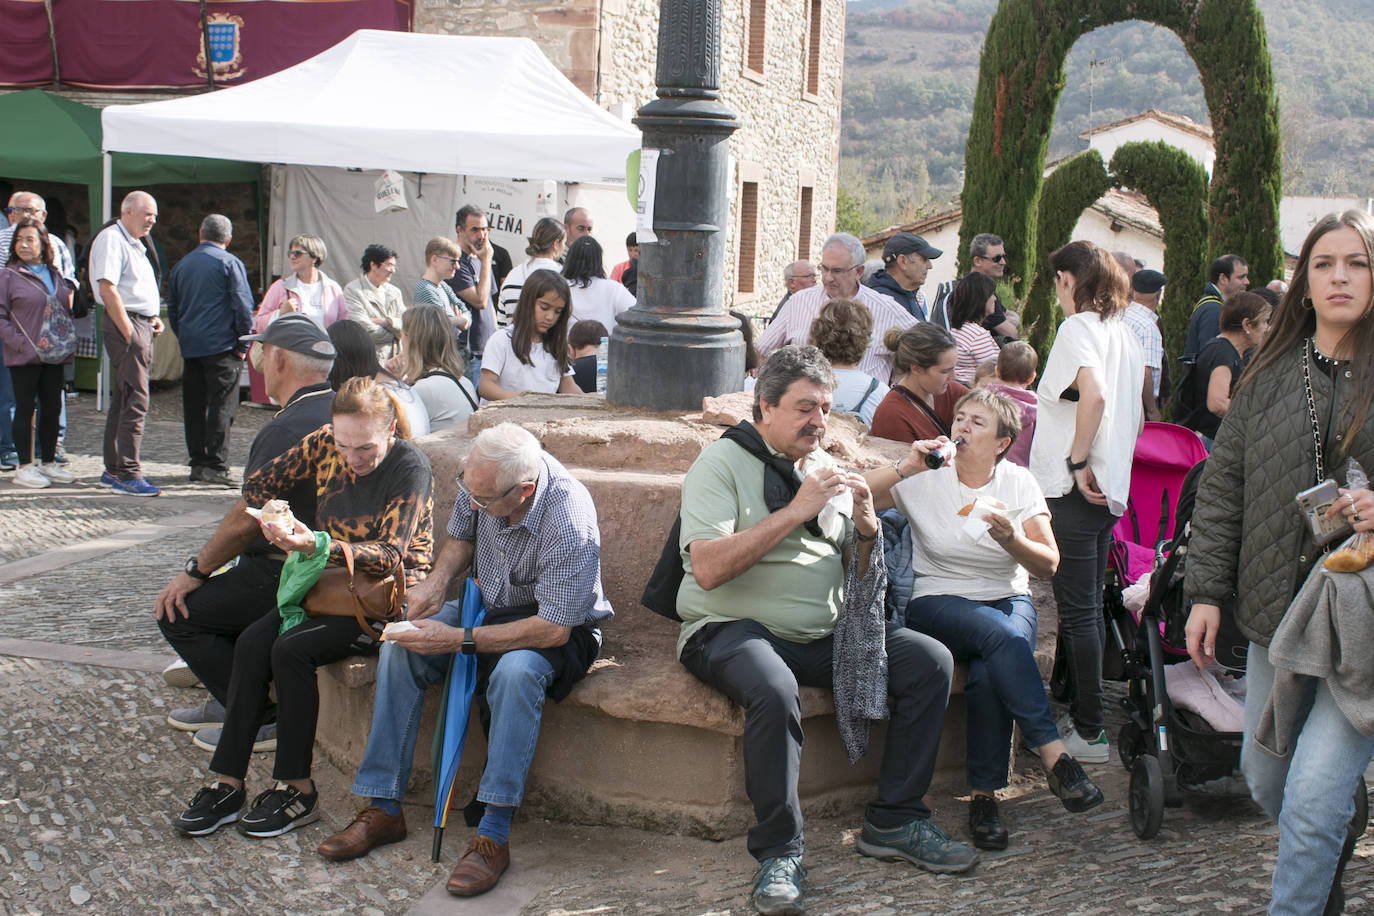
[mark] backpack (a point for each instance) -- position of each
(85, 299)
(660, 593)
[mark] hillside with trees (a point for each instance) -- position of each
(911, 69)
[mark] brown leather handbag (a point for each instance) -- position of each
(342, 592)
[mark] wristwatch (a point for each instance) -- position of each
(469, 644)
(193, 570)
(1076, 466)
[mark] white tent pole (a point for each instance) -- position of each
(102, 378)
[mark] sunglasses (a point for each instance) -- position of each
(996, 259)
(298, 253)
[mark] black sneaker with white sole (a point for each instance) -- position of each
(212, 808)
(278, 811)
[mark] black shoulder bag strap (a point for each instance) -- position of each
(449, 375)
(872, 387)
(926, 409)
(780, 484)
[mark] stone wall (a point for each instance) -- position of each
(787, 137)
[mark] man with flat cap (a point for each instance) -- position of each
(202, 614)
(906, 261)
(1142, 317)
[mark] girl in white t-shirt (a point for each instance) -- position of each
(531, 354)
(1088, 415)
(594, 298)
(971, 591)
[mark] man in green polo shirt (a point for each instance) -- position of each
(759, 604)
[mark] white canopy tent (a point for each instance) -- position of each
(466, 108)
(450, 104)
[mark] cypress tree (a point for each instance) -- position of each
(1066, 193)
(1175, 185)
(1022, 73)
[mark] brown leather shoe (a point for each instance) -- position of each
(372, 827)
(480, 867)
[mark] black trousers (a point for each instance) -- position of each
(217, 613)
(1084, 534)
(209, 402)
(290, 659)
(762, 672)
(38, 385)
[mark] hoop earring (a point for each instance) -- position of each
(1307, 303)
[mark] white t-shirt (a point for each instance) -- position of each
(943, 560)
(417, 417)
(850, 387)
(543, 376)
(1110, 347)
(445, 401)
(601, 301)
(509, 296)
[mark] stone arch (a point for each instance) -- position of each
(1022, 74)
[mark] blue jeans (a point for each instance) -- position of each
(515, 692)
(1311, 794)
(997, 639)
(6, 411)
(475, 369)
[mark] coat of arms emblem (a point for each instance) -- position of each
(224, 34)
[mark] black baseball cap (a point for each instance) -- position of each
(296, 333)
(906, 243)
(1148, 281)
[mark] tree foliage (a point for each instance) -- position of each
(1066, 193)
(1022, 75)
(1176, 186)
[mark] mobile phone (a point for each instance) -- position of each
(1313, 504)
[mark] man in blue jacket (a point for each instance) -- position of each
(906, 261)
(209, 308)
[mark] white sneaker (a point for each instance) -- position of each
(56, 473)
(30, 476)
(1083, 750)
(179, 674)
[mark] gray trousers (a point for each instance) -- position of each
(128, 407)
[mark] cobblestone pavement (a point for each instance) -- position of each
(90, 775)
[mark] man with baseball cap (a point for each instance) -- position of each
(906, 261)
(202, 614)
(1142, 316)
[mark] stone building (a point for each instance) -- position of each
(781, 67)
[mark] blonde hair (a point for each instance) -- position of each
(1004, 410)
(366, 397)
(441, 245)
(311, 245)
(429, 343)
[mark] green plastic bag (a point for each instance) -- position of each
(298, 575)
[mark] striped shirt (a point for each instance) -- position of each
(975, 346)
(792, 325)
(1145, 323)
(551, 557)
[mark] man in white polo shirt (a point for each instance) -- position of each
(124, 275)
(842, 260)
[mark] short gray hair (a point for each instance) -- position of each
(216, 228)
(783, 367)
(978, 248)
(513, 449)
(850, 244)
(307, 365)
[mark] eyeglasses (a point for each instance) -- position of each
(444, 257)
(298, 253)
(997, 258)
(27, 211)
(837, 271)
(484, 506)
(810, 276)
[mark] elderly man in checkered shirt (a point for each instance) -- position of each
(528, 532)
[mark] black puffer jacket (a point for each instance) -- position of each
(1249, 538)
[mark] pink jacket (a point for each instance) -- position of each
(332, 296)
(1019, 453)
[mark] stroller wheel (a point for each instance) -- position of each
(1130, 744)
(1147, 796)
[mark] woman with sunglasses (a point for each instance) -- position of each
(307, 289)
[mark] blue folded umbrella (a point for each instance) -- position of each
(459, 688)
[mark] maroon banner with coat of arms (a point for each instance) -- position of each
(157, 44)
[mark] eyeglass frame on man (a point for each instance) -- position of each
(996, 259)
(838, 271)
(27, 211)
(485, 506)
